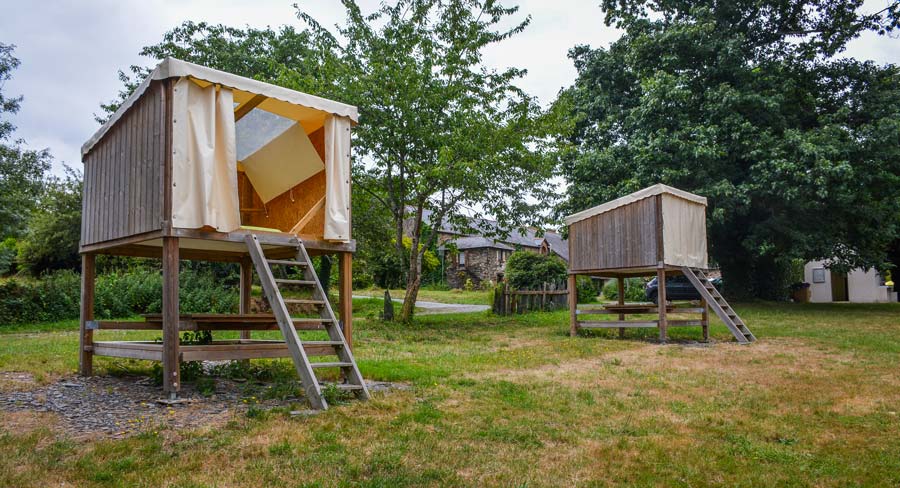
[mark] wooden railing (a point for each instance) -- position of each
(508, 301)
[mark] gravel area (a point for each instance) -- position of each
(120, 406)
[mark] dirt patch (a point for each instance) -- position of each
(115, 407)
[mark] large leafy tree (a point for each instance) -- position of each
(54, 227)
(21, 170)
(439, 132)
(749, 104)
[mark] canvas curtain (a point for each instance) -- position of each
(337, 178)
(684, 232)
(204, 177)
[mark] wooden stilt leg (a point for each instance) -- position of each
(704, 320)
(345, 295)
(170, 317)
(573, 305)
(245, 289)
(620, 282)
(86, 336)
(663, 322)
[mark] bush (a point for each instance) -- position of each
(634, 290)
(57, 296)
(587, 290)
(526, 270)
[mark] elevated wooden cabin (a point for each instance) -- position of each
(660, 231)
(189, 165)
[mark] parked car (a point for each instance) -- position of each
(678, 287)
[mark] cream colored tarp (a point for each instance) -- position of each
(337, 176)
(684, 232)
(204, 168)
(286, 161)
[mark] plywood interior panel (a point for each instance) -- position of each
(285, 210)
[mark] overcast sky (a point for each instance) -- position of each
(71, 50)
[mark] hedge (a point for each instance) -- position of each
(56, 296)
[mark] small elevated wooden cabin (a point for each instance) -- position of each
(660, 231)
(193, 161)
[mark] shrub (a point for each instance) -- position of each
(587, 290)
(526, 270)
(56, 296)
(634, 290)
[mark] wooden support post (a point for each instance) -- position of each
(86, 336)
(345, 295)
(661, 306)
(573, 305)
(621, 287)
(170, 317)
(245, 289)
(704, 320)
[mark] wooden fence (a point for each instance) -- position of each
(508, 301)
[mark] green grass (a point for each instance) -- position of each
(475, 297)
(514, 401)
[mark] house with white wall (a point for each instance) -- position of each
(859, 285)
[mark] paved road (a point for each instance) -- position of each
(435, 307)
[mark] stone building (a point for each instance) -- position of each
(475, 257)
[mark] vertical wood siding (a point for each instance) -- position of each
(123, 174)
(621, 238)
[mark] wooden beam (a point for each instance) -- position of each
(245, 290)
(86, 335)
(170, 317)
(245, 108)
(614, 324)
(345, 295)
(573, 305)
(309, 216)
(704, 320)
(620, 284)
(661, 300)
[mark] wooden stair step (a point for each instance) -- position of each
(287, 262)
(311, 320)
(304, 301)
(323, 343)
(295, 282)
(331, 365)
(344, 386)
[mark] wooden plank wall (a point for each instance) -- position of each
(123, 173)
(621, 238)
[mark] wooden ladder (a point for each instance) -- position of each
(724, 311)
(288, 325)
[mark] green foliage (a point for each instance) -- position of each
(21, 170)
(51, 239)
(56, 296)
(526, 270)
(729, 101)
(8, 256)
(587, 289)
(634, 290)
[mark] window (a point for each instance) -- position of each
(818, 275)
(462, 259)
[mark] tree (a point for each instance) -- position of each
(527, 270)
(747, 104)
(439, 131)
(54, 228)
(21, 170)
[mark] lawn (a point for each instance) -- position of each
(514, 401)
(465, 297)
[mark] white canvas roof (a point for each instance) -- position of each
(309, 110)
(657, 189)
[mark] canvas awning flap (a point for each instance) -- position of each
(337, 182)
(204, 167)
(309, 110)
(684, 232)
(286, 161)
